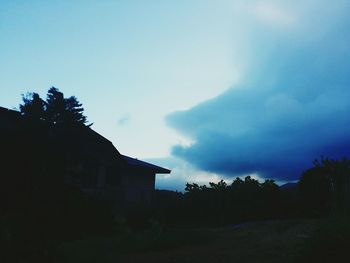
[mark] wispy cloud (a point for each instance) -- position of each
(124, 120)
(273, 14)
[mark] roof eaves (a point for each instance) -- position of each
(145, 165)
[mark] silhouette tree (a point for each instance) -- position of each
(55, 106)
(62, 110)
(33, 106)
(220, 186)
(315, 191)
(74, 111)
(56, 110)
(326, 186)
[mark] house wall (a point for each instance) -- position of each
(138, 186)
(101, 180)
(119, 183)
(131, 186)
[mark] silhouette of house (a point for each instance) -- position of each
(93, 163)
(9, 119)
(139, 179)
(99, 169)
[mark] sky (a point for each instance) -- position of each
(209, 89)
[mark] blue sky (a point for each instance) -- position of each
(210, 89)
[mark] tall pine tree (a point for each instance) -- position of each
(57, 110)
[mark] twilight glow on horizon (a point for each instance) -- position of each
(209, 89)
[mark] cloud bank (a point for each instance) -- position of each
(291, 106)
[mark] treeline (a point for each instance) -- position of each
(241, 200)
(221, 203)
(322, 190)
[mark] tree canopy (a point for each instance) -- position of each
(56, 110)
(326, 186)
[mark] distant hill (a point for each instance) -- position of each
(289, 186)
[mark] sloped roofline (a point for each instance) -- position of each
(133, 162)
(9, 111)
(144, 165)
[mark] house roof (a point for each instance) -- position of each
(90, 145)
(87, 142)
(7, 113)
(144, 165)
(9, 119)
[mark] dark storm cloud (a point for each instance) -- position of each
(294, 108)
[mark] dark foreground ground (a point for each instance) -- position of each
(321, 240)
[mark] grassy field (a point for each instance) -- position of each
(268, 241)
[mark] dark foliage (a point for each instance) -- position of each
(322, 190)
(242, 200)
(56, 110)
(33, 106)
(325, 188)
(220, 203)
